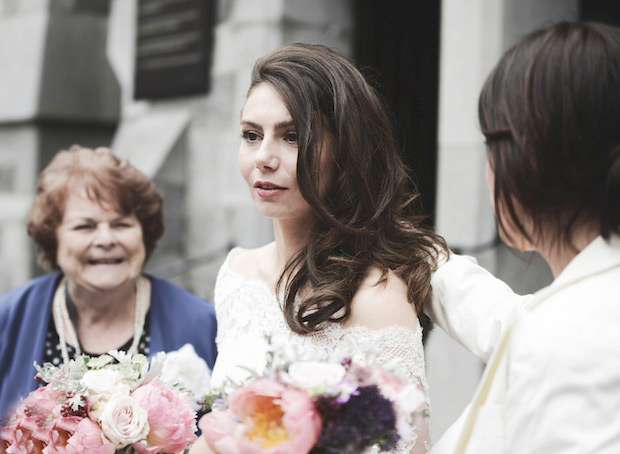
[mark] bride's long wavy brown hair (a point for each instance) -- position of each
(367, 212)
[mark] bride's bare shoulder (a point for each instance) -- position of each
(247, 261)
(381, 301)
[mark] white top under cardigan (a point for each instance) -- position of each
(552, 381)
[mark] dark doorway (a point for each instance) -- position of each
(607, 11)
(400, 50)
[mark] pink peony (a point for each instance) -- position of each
(56, 433)
(26, 431)
(20, 439)
(40, 404)
(88, 437)
(172, 421)
(264, 417)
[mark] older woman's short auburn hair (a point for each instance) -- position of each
(107, 179)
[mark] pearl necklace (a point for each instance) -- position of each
(63, 321)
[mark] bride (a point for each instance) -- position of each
(351, 264)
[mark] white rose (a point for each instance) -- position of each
(315, 375)
(185, 368)
(124, 421)
(104, 382)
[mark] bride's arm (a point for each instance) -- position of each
(395, 332)
(471, 305)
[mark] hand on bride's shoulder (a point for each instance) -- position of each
(378, 305)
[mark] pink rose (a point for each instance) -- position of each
(264, 417)
(88, 437)
(172, 421)
(123, 421)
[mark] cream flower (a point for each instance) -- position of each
(312, 375)
(124, 421)
(104, 382)
(186, 369)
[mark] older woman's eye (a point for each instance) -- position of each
(250, 136)
(83, 227)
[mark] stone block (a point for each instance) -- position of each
(22, 47)
(18, 159)
(77, 83)
(319, 12)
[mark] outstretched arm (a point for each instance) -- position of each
(471, 305)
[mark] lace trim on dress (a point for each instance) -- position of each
(248, 310)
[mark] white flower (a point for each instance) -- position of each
(124, 421)
(104, 382)
(311, 375)
(152, 370)
(99, 362)
(188, 370)
(411, 399)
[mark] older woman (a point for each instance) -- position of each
(95, 220)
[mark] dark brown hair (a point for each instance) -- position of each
(550, 112)
(106, 179)
(368, 216)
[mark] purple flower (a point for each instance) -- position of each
(366, 419)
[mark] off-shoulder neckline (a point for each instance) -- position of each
(329, 326)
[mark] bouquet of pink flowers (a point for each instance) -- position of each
(115, 403)
(348, 406)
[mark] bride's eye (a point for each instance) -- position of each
(250, 136)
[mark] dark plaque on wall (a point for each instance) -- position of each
(173, 48)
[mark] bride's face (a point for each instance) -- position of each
(268, 156)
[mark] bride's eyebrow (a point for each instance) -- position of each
(278, 126)
(285, 125)
(251, 124)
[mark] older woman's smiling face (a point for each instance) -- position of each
(98, 247)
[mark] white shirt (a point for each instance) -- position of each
(552, 382)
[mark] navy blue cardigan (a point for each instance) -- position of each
(176, 317)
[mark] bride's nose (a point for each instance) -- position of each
(266, 157)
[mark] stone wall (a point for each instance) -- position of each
(218, 211)
(56, 89)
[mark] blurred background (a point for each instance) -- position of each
(162, 82)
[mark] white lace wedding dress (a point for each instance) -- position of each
(247, 310)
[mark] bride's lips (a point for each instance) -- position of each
(268, 189)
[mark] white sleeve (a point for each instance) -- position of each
(471, 305)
